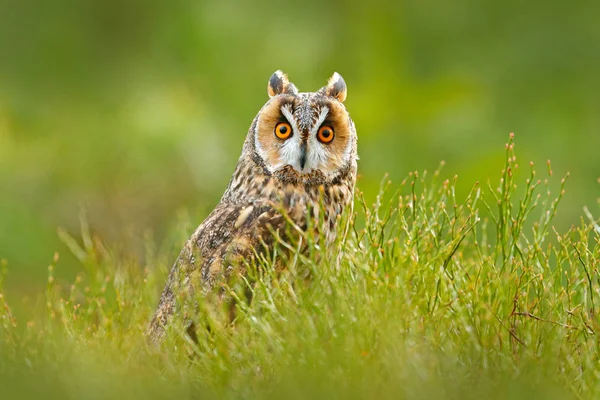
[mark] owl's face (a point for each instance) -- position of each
(303, 136)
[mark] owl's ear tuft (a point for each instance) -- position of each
(279, 84)
(336, 87)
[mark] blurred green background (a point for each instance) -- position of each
(135, 110)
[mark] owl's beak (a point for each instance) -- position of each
(302, 154)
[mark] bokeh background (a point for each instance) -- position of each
(136, 110)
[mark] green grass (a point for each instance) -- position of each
(422, 296)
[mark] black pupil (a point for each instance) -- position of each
(326, 133)
(283, 129)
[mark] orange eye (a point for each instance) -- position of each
(325, 134)
(283, 130)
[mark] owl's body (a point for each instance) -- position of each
(299, 155)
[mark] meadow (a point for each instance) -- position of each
(121, 122)
(425, 295)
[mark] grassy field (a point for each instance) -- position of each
(424, 296)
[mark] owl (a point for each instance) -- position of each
(300, 154)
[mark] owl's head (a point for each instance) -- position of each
(304, 137)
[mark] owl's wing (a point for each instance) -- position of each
(230, 234)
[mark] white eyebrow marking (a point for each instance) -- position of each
(289, 150)
(286, 110)
(322, 115)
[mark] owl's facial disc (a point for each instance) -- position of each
(304, 134)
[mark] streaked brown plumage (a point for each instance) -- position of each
(315, 165)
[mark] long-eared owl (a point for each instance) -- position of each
(300, 152)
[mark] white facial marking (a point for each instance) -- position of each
(289, 152)
(286, 110)
(316, 155)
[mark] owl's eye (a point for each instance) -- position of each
(325, 134)
(283, 130)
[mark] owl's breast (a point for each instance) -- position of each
(259, 205)
(322, 204)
